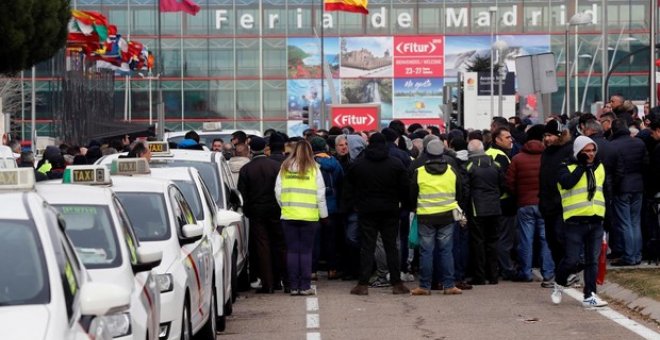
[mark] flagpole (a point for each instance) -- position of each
(160, 132)
(323, 123)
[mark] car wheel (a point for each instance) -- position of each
(210, 328)
(186, 325)
(234, 277)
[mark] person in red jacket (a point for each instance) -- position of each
(523, 181)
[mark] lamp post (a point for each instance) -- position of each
(493, 22)
(577, 19)
(150, 77)
(501, 47)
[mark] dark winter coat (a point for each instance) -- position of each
(508, 204)
(486, 183)
(277, 156)
(376, 183)
(256, 182)
(628, 162)
(333, 175)
(397, 153)
(522, 177)
(551, 160)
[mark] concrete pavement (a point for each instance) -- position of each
(505, 311)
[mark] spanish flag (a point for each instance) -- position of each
(354, 6)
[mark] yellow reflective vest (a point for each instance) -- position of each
(437, 193)
(574, 200)
(298, 197)
(493, 153)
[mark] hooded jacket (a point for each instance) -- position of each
(486, 183)
(376, 183)
(522, 177)
(333, 175)
(627, 162)
(436, 166)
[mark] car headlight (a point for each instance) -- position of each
(165, 282)
(118, 324)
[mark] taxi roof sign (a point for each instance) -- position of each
(18, 178)
(130, 166)
(159, 148)
(86, 174)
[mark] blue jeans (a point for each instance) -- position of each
(627, 228)
(352, 230)
(579, 236)
(531, 224)
(431, 236)
(461, 250)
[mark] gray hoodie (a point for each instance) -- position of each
(355, 145)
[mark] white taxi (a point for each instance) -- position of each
(215, 172)
(198, 196)
(106, 244)
(163, 219)
(45, 291)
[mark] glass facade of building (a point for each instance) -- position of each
(249, 64)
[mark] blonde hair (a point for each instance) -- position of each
(301, 158)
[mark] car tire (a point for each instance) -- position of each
(234, 277)
(186, 323)
(210, 328)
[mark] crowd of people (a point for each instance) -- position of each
(456, 209)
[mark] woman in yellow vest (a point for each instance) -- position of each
(581, 182)
(300, 191)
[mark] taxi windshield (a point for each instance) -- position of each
(24, 278)
(206, 170)
(92, 232)
(148, 215)
(189, 191)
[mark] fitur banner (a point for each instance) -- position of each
(403, 75)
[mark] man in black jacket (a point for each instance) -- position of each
(626, 196)
(256, 182)
(377, 185)
(558, 148)
(486, 183)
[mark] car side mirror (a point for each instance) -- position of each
(99, 299)
(148, 259)
(226, 218)
(191, 233)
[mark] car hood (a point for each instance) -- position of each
(24, 322)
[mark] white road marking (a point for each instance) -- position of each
(312, 304)
(313, 318)
(617, 317)
(313, 321)
(313, 336)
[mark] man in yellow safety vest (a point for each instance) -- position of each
(581, 186)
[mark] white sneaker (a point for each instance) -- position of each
(256, 284)
(557, 292)
(594, 301)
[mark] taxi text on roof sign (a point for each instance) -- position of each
(130, 166)
(18, 178)
(159, 148)
(86, 174)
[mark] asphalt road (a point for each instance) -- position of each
(505, 311)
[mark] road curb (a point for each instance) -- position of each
(631, 300)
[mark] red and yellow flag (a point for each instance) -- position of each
(354, 6)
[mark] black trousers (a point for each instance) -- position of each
(387, 225)
(554, 235)
(270, 250)
(484, 239)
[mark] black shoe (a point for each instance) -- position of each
(264, 291)
(492, 282)
(474, 282)
(620, 263)
(287, 290)
(522, 279)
